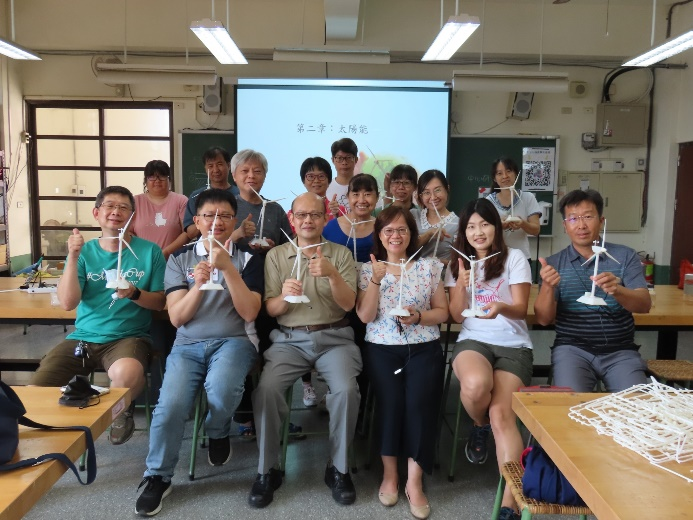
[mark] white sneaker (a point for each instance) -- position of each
(309, 397)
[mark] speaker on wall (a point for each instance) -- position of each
(212, 97)
(520, 105)
(577, 89)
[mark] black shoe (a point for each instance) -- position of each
(507, 513)
(476, 448)
(150, 501)
(262, 492)
(341, 485)
(219, 451)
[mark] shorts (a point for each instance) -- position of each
(516, 360)
(60, 364)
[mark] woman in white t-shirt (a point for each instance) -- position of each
(525, 207)
(493, 355)
(402, 354)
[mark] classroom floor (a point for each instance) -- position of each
(218, 492)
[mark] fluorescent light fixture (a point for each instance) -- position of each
(509, 81)
(333, 54)
(451, 37)
(15, 51)
(666, 50)
(126, 73)
(219, 42)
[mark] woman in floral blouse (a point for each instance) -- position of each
(402, 354)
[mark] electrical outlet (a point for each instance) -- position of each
(618, 166)
(25, 137)
(640, 164)
(596, 165)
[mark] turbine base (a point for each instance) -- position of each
(588, 299)
(297, 299)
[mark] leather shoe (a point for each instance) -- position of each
(420, 512)
(262, 492)
(341, 485)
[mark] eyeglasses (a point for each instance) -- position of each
(388, 232)
(110, 206)
(316, 177)
(401, 184)
(301, 215)
(437, 192)
(155, 177)
(224, 217)
(574, 220)
(501, 172)
(344, 158)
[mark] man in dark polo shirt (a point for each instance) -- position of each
(593, 342)
(316, 334)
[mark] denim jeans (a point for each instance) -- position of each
(222, 366)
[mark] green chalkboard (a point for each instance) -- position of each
(193, 145)
(469, 166)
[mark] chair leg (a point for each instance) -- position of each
(499, 499)
(526, 514)
(199, 416)
(285, 429)
(371, 431)
(441, 415)
(455, 441)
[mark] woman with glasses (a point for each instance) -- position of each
(437, 224)
(316, 176)
(159, 212)
(504, 172)
(493, 354)
(402, 354)
(400, 184)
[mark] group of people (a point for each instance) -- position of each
(374, 272)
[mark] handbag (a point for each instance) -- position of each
(543, 481)
(12, 414)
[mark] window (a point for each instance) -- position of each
(80, 147)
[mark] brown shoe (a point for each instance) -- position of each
(123, 427)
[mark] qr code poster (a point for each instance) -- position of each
(538, 169)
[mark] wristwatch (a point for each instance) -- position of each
(136, 294)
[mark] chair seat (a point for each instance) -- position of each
(671, 369)
(512, 472)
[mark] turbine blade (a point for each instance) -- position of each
(607, 254)
(412, 256)
(128, 222)
(461, 254)
(590, 259)
(128, 246)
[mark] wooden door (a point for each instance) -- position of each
(682, 238)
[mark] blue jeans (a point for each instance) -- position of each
(222, 366)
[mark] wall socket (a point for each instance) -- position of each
(596, 165)
(640, 165)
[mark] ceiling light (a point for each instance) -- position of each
(666, 50)
(451, 37)
(126, 73)
(219, 42)
(509, 81)
(15, 51)
(333, 54)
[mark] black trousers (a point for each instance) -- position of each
(408, 402)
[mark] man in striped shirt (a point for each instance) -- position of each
(593, 342)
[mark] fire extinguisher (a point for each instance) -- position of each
(648, 270)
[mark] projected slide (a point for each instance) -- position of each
(389, 125)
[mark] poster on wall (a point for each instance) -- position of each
(538, 168)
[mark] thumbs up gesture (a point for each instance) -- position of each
(379, 270)
(319, 266)
(245, 229)
(549, 275)
(334, 206)
(75, 243)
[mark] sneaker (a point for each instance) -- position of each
(149, 502)
(341, 485)
(123, 427)
(262, 492)
(219, 451)
(507, 513)
(309, 398)
(476, 448)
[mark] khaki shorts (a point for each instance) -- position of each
(60, 364)
(517, 361)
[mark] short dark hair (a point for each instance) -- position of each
(114, 190)
(390, 214)
(509, 163)
(157, 166)
(345, 145)
(493, 267)
(575, 197)
(213, 152)
(363, 181)
(427, 177)
(316, 163)
(215, 195)
(404, 171)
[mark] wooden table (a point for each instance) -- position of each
(22, 307)
(20, 489)
(615, 482)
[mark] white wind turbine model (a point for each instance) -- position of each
(439, 231)
(473, 311)
(118, 282)
(297, 266)
(589, 298)
(513, 193)
(213, 283)
(402, 264)
(260, 240)
(352, 231)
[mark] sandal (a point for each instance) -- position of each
(246, 432)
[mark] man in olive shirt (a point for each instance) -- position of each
(316, 334)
